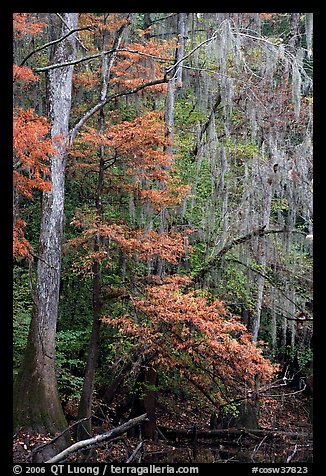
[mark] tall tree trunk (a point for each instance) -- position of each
(85, 405)
(176, 80)
(181, 47)
(294, 31)
(174, 84)
(146, 402)
(147, 24)
(261, 259)
(36, 397)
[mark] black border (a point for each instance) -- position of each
(6, 206)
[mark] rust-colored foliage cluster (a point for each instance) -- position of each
(141, 63)
(139, 147)
(26, 24)
(32, 148)
(142, 169)
(139, 142)
(195, 334)
(23, 74)
(137, 243)
(21, 246)
(109, 22)
(267, 16)
(31, 145)
(137, 62)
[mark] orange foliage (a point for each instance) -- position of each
(184, 330)
(146, 171)
(172, 194)
(142, 63)
(140, 244)
(31, 147)
(100, 23)
(139, 146)
(31, 151)
(267, 16)
(109, 22)
(26, 24)
(21, 247)
(87, 79)
(24, 74)
(135, 64)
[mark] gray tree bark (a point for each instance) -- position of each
(181, 47)
(294, 31)
(36, 397)
(261, 260)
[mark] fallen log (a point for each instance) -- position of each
(98, 439)
(173, 433)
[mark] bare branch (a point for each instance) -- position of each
(253, 433)
(265, 276)
(46, 45)
(108, 66)
(135, 453)
(261, 231)
(70, 63)
(38, 448)
(97, 440)
(204, 128)
(299, 319)
(78, 39)
(257, 448)
(97, 55)
(173, 67)
(100, 104)
(292, 454)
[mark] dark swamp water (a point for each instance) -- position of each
(262, 451)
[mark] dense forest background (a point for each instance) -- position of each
(163, 230)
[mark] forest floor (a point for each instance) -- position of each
(285, 436)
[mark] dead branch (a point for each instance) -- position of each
(47, 443)
(135, 453)
(261, 231)
(101, 104)
(257, 448)
(46, 45)
(76, 36)
(172, 68)
(273, 283)
(204, 128)
(73, 62)
(230, 432)
(97, 440)
(300, 317)
(95, 56)
(292, 454)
